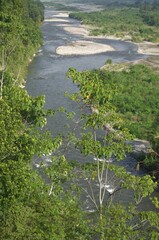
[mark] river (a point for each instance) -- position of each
(47, 73)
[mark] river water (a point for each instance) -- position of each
(47, 73)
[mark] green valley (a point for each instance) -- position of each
(73, 185)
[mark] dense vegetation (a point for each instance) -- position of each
(149, 13)
(107, 2)
(20, 35)
(36, 204)
(135, 98)
(137, 24)
(110, 3)
(28, 209)
(109, 148)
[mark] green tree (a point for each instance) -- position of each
(108, 149)
(20, 35)
(34, 205)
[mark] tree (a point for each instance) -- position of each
(20, 35)
(112, 220)
(34, 205)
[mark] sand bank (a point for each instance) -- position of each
(56, 20)
(83, 48)
(148, 48)
(80, 30)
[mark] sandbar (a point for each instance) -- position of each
(148, 48)
(83, 48)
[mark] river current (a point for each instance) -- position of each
(47, 73)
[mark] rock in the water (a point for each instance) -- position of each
(140, 148)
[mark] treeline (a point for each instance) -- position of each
(150, 12)
(107, 3)
(135, 23)
(115, 3)
(98, 91)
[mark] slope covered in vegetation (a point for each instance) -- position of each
(20, 35)
(137, 24)
(28, 209)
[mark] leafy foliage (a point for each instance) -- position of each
(133, 93)
(111, 220)
(29, 211)
(136, 98)
(32, 205)
(20, 35)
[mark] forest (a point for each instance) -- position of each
(47, 204)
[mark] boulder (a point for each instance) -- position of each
(140, 148)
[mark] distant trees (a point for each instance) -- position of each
(131, 23)
(149, 12)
